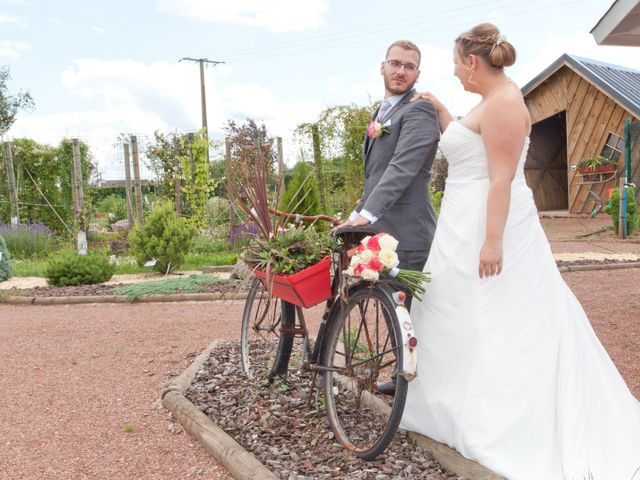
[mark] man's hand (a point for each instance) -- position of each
(360, 221)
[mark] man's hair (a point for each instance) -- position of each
(407, 45)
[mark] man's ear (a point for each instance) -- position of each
(382, 68)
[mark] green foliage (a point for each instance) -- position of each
(74, 269)
(204, 244)
(50, 168)
(613, 209)
(114, 205)
(289, 251)
(10, 104)
(436, 200)
(190, 284)
(6, 268)
(196, 185)
(301, 194)
(164, 237)
(341, 131)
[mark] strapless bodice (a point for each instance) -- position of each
(467, 156)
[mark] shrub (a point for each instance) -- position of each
(6, 269)
(164, 238)
(115, 206)
(613, 209)
(301, 195)
(28, 240)
(74, 269)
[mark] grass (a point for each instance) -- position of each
(37, 267)
(190, 284)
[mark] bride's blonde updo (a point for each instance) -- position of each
(485, 41)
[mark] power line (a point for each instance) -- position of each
(361, 38)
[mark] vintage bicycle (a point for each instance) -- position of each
(365, 337)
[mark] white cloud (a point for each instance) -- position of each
(580, 44)
(11, 49)
(274, 15)
(99, 30)
(8, 19)
(134, 97)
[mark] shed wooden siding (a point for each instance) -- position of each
(591, 115)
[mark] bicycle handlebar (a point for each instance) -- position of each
(306, 218)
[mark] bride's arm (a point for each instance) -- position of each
(503, 131)
(444, 117)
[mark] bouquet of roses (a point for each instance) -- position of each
(377, 254)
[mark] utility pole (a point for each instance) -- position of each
(203, 99)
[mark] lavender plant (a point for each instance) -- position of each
(28, 240)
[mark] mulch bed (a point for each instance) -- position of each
(293, 439)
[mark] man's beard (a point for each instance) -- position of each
(395, 90)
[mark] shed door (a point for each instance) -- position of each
(546, 165)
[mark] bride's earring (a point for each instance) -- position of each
(470, 79)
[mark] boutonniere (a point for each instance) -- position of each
(377, 129)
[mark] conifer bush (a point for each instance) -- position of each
(6, 268)
(73, 269)
(164, 238)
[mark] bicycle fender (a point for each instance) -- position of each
(409, 368)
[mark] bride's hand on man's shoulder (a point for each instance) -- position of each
(430, 97)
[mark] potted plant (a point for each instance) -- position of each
(291, 261)
(596, 164)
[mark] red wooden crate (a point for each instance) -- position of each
(306, 288)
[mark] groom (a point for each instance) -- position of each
(398, 151)
(398, 154)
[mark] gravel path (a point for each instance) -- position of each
(71, 377)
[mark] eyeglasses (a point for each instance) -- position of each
(408, 67)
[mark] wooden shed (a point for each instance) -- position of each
(578, 109)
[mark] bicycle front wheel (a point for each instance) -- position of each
(362, 350)
(265, 351)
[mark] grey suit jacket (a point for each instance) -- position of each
(397, 168)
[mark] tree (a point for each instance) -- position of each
(341, 131)
(11, 104)
(243, 148)
(301, 195)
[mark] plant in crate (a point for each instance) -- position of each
(291, 260)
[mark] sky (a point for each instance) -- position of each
(97, 69)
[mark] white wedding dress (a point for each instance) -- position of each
(510, 372)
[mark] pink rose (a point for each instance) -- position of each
(358, 270)
(373, 244)
(375, 129)
(375, 264)
(360, 248)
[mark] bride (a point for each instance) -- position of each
(511, 373)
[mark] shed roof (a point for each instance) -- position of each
(622, 84)
(620, 25)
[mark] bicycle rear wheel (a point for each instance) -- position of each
(362, 350)
(265, 352)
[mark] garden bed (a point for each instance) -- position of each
(291, 438)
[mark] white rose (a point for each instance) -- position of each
(355, 260)
(365, 240)
(387, 242)
(365, 256)
(349, 271)
(389, 258)
(368, 274)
